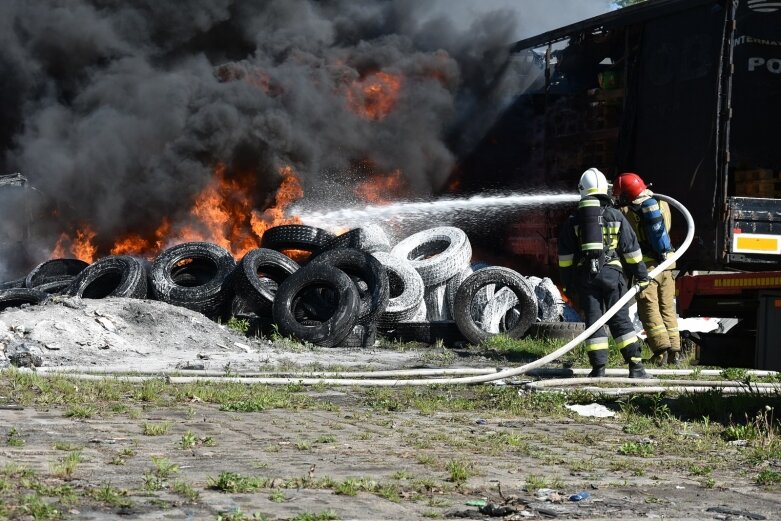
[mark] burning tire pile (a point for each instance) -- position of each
(351, 287)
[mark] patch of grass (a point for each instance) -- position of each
(700, 470)
(111, 496)
(185, 490)
(769, 477)
(708, 483)
(238, 515)
(326, 438)
(736, 374)
(164, 467)
(80, 412)
(302, 445)
(389, 491)
(67, 466)
(459, 471)
(277, 496)
(156, 429)
(13, 438)
(188, 440)
(534, 483)
(401, 474)
(38, 508)
(236, 483)
(238, 325)
(633, 448)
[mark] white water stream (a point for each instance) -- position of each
(449, 208)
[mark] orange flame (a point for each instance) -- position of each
(222, 213)
(80, 247)
(375, 96)
(289, 191)
(382, 189)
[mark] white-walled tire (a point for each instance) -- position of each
(437, 253)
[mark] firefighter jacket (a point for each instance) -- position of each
(619, 243)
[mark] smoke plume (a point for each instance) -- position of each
(118, 112)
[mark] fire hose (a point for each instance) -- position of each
(471, 375)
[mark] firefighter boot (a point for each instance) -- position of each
(636, 370)
(597, 371)
(674, 358)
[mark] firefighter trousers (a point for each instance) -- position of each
(598, 293)
(656, 309)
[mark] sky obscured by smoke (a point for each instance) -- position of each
(118, 111)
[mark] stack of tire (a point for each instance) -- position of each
(348, 288)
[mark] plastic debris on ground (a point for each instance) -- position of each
(580, 496)
(595, 410)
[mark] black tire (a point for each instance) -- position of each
(370, 239)
(55, 287)
(16, 297)
(445, 331)
(194, 275)
(12, 284)
(326, 333)
(361, 266)
(258, 276)
(53, 270)
(360, 336)
(527, 303)
(113, 276)
(295, 237)
(555, 330)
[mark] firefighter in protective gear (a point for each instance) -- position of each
(592, 242)
(650, 219)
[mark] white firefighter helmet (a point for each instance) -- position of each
(592, 182)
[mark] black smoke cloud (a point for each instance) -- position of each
(118, 111)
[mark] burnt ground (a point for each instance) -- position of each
(107, 449)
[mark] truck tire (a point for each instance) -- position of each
(437, 253)
(194, 275)
(555, 330)
(453, 283)
(366, 271)
(549, 302)
(258, 276)
(16, 297)
(326, 333)
(295, 237)
(55, 287)
(52, 270)
(436, 303)
(12, 284)
(494, 317)
(360, 336)
(499, 276)
(425, 332)
(370, 238)
(405, 289)
(112, 276)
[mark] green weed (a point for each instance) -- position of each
(156, 429)
(236, 483)
(632, 448)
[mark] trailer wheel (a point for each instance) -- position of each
(16, 297)
(499, 277)
(194, 275)
(113, 276)
(313, 278)
(437, 253)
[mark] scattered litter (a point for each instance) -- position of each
(53, 346)
(547, 512)
(497, 510)
(192, 366)
(679, 487)
(580, 496)
(202, 356)
(738, 443)
(244, 347)
(481, 422)
(543, 493)
(24, 354)
(595, 410)
(107, 324)
(476, 502)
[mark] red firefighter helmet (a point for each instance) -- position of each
(628, 186)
